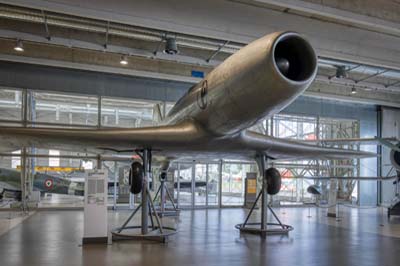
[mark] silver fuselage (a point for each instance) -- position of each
(212, 119)
(248, 86)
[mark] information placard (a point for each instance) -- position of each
(95, 208)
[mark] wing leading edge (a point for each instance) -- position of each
(101, 140)
(186, 139)
(285, 149)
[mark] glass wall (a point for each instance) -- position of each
(200, 185)
(294, 186)
(185, 187)
(55, 177)
(213, 185)
(10, 104)
(51, 108)
(233, 183)
(127, 113)
(196, 184)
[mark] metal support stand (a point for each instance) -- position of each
(262, 228)
(163, 211)
(158, 232)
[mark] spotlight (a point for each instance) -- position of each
(170, 46)
(341, 72)
(19, 47)
(124, 60)
(353, 90)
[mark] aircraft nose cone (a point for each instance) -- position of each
(283, 65)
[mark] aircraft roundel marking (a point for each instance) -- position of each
(48, 183)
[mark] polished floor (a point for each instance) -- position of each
(207, 237)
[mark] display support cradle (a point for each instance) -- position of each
(158, 232)
(263, 228)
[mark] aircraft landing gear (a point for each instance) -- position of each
(270, 185)
(158, 232)
(162, 190)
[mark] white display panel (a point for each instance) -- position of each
(95, 207)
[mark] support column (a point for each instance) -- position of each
(145, 203)
(99, 162)
(115, 184)
(264, 196)
(207, 184)
(220, 165)
(332, 201)
(23, 179)
(24, 108)
(193, 186)
(178, 186)
(162, 195)
(99, 111)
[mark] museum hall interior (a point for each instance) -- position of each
(214, 132)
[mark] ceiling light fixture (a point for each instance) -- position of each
(124, 60)
(19, 47)
(170, 46)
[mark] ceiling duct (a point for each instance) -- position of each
(112, 28)
(341, 68)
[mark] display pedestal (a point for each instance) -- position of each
(95, 228)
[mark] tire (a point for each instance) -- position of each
(274, 181)
(136, 177)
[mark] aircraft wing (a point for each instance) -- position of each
(285, 149)
(363, 178)
(389, 142)
(7, 185)
(99, 141)
(183, 140)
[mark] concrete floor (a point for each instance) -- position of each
(208, 237)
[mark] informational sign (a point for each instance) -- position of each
(250, 189)
(95, 207)
(251, 186)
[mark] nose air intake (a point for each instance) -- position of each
(294, 58)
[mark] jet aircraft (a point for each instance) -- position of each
(213, 118)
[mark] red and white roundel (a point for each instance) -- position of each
(48, 183)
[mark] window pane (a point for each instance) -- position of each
(213, 184)
(54, 161)
(185, 185)
(64, 109)
(200, 184)
(10, 104)
(16, 160)
(233, 177)
(127, 113)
